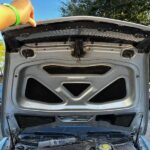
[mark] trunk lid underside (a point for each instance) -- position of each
(76, 71)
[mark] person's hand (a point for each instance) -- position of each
(26, 11)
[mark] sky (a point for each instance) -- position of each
(44, 9)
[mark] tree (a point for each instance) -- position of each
(137, 11)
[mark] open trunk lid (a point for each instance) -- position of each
(76, 71)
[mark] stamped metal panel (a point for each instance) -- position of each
(19, 69)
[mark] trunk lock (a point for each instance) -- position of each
(78, 48)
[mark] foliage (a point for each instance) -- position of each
(2, 51)
(137, 11)
(2, 57)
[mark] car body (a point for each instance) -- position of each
(1, 87)
(76, 83)
(149, 95)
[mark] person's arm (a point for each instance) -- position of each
(8, 17)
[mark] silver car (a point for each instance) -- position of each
(77, 83)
